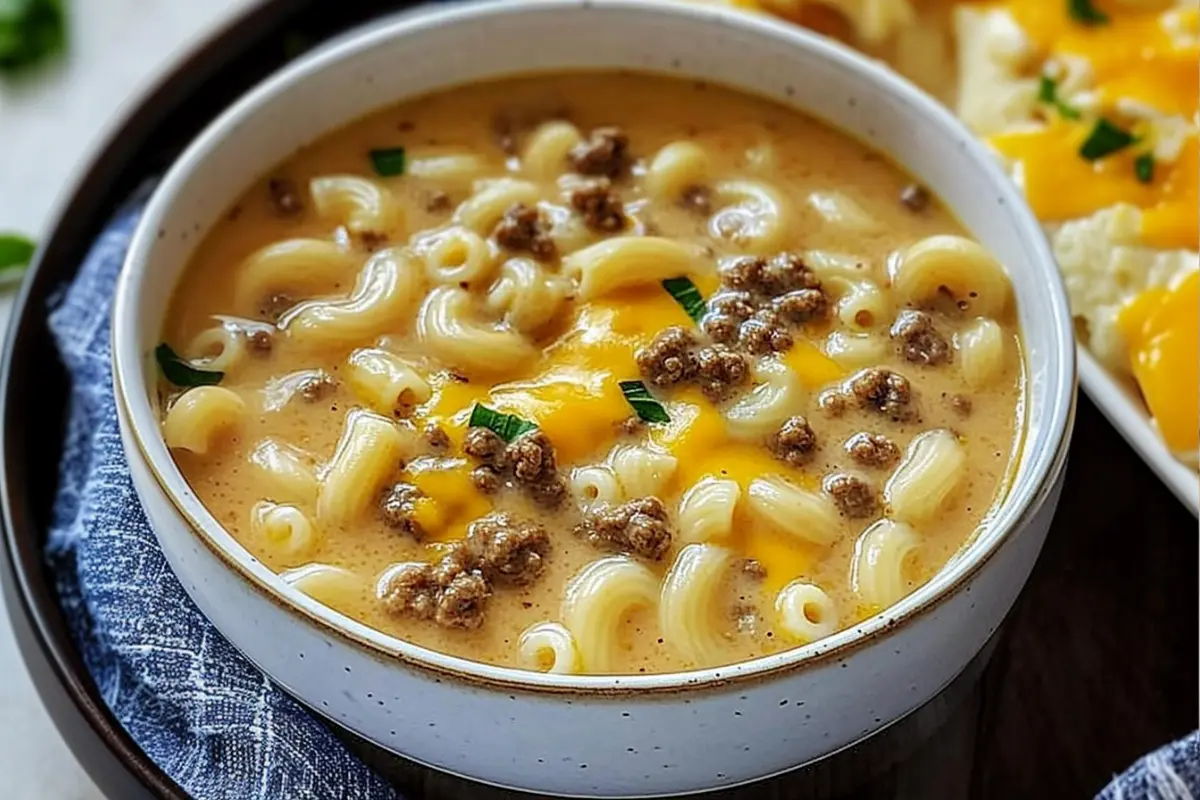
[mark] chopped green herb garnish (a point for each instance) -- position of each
(30, 31)
(1143, 167)
(1105, 139)
(1083, 12)
(180, 372)
(506, 426)
(1048, 93)
(643, 403)
(687, 295)
(388, 161)
(16, 251)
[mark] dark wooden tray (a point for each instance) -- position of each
(1096, 665)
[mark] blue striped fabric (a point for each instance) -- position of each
(205, 714)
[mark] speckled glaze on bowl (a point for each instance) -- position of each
(598, 736)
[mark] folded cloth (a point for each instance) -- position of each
(1169, 773)
(207, 716)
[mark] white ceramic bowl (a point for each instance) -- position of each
(598, 735)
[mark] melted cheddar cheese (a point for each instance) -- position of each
(1161, 327)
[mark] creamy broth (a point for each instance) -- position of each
(770, 181)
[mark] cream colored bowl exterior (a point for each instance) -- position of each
(622, 736)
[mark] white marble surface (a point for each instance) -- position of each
(49, 126)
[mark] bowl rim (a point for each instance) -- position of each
(1024, 499)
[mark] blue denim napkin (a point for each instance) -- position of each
(207, 716)
(1169, 773)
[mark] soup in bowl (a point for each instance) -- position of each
(594, 373)
(584, 379)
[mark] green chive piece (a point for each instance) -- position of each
(506, 426)
(643, 403)
(16, 251)
(30, 32)
(1048, 94)
(1143, 167)
(1105, 139)
(687, 295)
(180, 372)
(1083, 12)
(388, 161)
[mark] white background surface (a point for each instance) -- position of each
(49, 126)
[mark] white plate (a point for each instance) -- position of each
(1128, 415)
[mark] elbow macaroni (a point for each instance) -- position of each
(386, 382)
(458, 255)
(596, 603)
(690, 600)
(760, 411)
(627, 261)
(447, 326)
(706, 511)
(931, 470)
(641, 471)
(595, 487)
(386, 290)
(358, 203)
(199, 416)
(809, 516)
(481, 211)
(288, 471)
(753, 216)
(527, 295)
(368, 453)
(548, 647)
(955, 264)
(806, 612)
(295, 267)
(981, 353)
(284, 529)
(335, 587)
(547, 149)
(880, 569)
(675, 169)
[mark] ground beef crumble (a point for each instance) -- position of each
(762, 300)
(674, 357)
(794, 442)
(508, 550)
(454, 591)
(524, 230)
(599, 206)
(529, 460)
(887, 392)
(399, 509)
(854, 497)
(640, 527)
(872, 449)
(918, 340)
(605, 152)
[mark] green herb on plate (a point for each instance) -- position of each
(1143, 167)
(1048, 94)
(1105, 139)
(1083, 12)
(30, 32)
